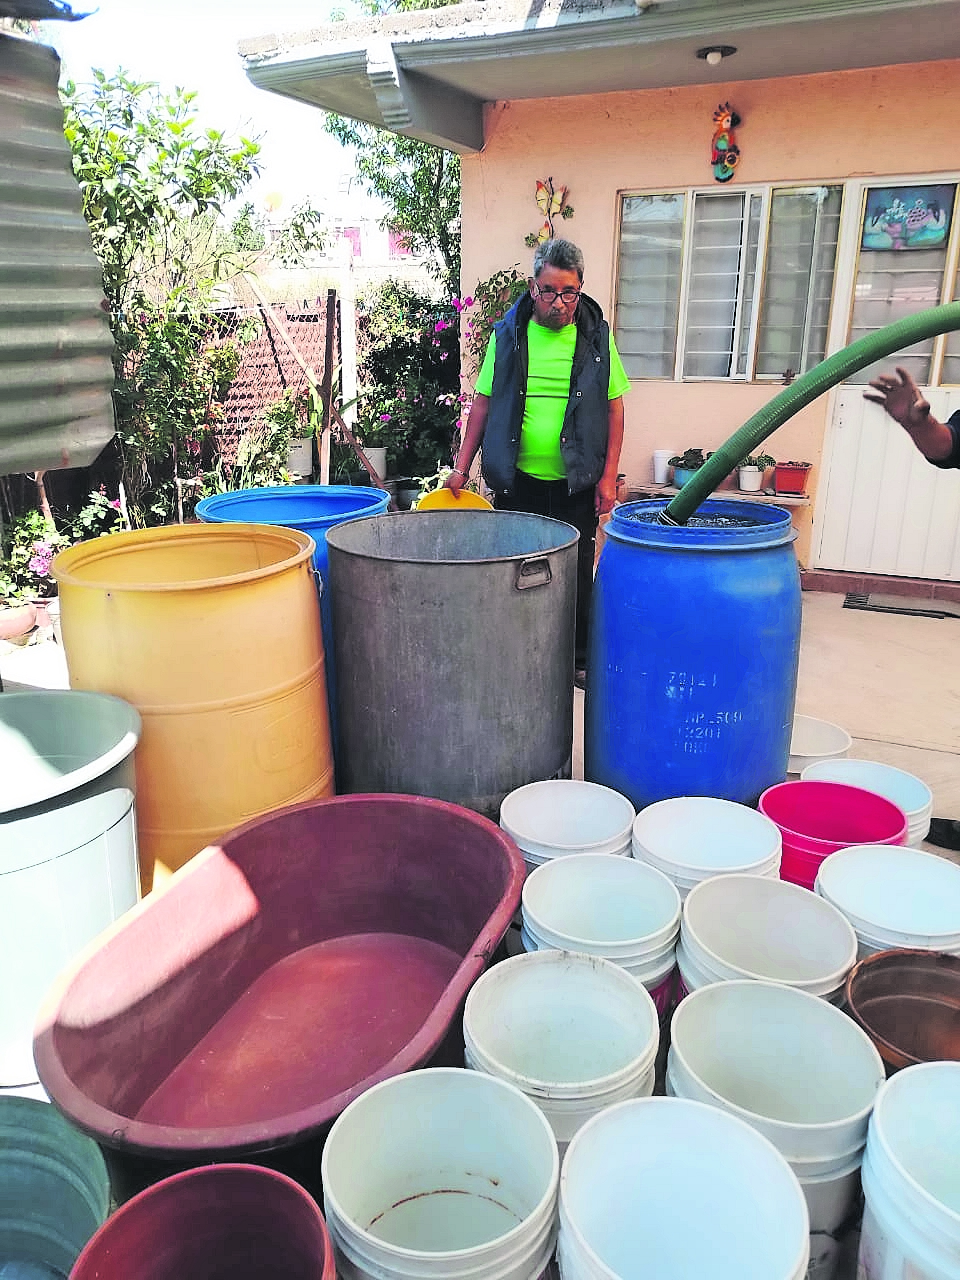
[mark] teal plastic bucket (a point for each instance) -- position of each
(313, 509)
(54, 1191)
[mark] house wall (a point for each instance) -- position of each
(890, 120)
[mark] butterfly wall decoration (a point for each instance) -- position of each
(552, 203)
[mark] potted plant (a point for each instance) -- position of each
(685, 464)
(791, 477)
(750, 471)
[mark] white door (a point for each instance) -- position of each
(886, 510)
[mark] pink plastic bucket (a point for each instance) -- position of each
(818, 818)
(663, 994)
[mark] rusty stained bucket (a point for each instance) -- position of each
(908, 1002)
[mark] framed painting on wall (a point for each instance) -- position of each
(915, 217)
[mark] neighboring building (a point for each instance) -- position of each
(719, 292)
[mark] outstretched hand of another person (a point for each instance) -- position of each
(901, 397)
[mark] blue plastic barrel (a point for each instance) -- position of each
(694, 646)
(313, 509)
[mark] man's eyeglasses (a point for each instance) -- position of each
(551, 295)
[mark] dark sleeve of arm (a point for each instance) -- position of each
(953, 457)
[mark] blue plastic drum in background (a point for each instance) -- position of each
(694, 648)
(313, 509)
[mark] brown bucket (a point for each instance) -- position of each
(908, 1002)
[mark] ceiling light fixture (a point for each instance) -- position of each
(714, 54)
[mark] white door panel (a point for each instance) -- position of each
(886, 510)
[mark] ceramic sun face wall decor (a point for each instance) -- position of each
(724, 152)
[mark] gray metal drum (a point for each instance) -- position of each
(453, 635)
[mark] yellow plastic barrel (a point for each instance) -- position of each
(213, 633)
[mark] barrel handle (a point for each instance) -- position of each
(533, 572)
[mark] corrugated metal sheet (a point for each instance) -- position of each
(56, 371)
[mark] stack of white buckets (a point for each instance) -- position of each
(692, 838)
(741, 926)
(800, 1072)
(894, 896)
(905, 790)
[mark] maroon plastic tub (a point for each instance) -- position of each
(818, 818)
(222, 1222)
(313, 953)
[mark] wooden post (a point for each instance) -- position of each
(326, 390)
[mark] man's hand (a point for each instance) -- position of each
(605, 495)
(455, 482)
(902, 399)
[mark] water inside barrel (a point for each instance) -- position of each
(696, 521)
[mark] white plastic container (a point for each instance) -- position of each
(563, 816)
(575, 1033)
(608, 906)
(672, 1189)
(441, 1173)
(692, 838)
(800, 1072)
(894, 896)
(661, 464)
(911, 1177)
(814, 740)
(622, 910)
(906, 791)
(797, 1069)
(68, 847)
(769, 930)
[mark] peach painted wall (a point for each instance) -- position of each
(891, 120)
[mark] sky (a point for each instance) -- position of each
(193, 43)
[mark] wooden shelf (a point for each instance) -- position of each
(765, 495)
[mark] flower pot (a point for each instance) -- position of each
(682, 474)
(750, 479)
(791, 477)
(17, 620)
(377, 457)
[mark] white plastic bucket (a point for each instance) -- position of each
(692, 838)
(608, 906)
(672, 1189)
(797, 1069)
(441, 1173)
(750, 927)
(563, 816)
(911, 1177)
(906, 790)
(661, 464)
(575, 1033)
(894, 896)
(68, 847)
(814, 740)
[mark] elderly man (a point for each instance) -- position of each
(548, 411)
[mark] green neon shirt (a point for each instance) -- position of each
(550, 362)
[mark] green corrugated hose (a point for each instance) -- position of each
(875, 346)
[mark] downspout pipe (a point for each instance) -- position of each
(746, 440)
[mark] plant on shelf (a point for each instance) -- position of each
(750, 471)
(686, 464)
(791, 477)
(689, 460)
